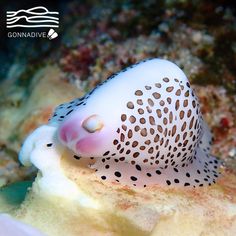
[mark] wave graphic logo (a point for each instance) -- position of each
(33, 18)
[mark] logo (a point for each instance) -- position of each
(36, 17)
(52, 34)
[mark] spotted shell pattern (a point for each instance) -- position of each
(153, 130)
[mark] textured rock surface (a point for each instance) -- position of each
(121, 210)
(23, 110)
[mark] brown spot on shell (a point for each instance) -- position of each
(156, 95)
(134, 144)
(185, 143)
(152, 131)
(169, 100)
(185, 103)
(148, 87)
(162, 141)
(106, 153)
(156, 139)
(147, 142)
(150, 150)
(183, 126)
(158, 111)
(139, 102)
(124, 127)
(177, 138)
(122, 137)
(130, 105)
(171, 117)
(166, 80)
(166, 109)
(181, 114)
(123, 117)
(132, 119)
(159, 128)
(185, 135)
(189, 113)
(186, 94)
(136, 128)
(191, 123)
(150, 102)
(162, 103)
(158, 85)
(149, 110)
(130, 133)
(140, 111)
(178, 92)
(190, 134)
(142, 120)
(115, 142)
(121, 150)
(173, 130)
(165, 121)
(143, 132)
(165, 132)
(166, 143)
(152, 120)
(177, 105)
(138, 93)
(136, 154)
(169, 89)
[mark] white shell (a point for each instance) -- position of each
(153, 128)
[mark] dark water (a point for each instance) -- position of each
(215, 17)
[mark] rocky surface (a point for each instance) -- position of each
(23, 110)
(103, 208)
